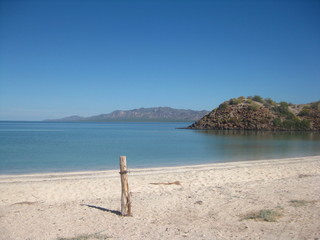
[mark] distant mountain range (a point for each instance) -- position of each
(161, 114)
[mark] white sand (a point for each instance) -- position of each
(209, 204)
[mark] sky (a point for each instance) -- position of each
(87, 57)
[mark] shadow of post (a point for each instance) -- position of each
(102, 209)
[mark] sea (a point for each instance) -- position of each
(42, 147)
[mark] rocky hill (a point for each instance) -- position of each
(256, 113)
(142, 114)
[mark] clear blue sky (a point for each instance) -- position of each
(86, 57)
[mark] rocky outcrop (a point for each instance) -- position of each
(256, 113)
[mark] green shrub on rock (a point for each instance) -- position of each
(277, 122)
(269, 102)
(235, 101)
(283, 110)
(304, 112)
(291, 124)
(315, 105)
(258, 99)
(223, 106)
(253, 106)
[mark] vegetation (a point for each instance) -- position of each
(268, 215)
(305, 111)
(269, 102)
(258, 99)
(292, 124)
(299, 124)
(283, 110)
(300, 203)
(253, 106)
(87, 237)
(235, 101)
(315, 105)
(223, 106)
(249, 101)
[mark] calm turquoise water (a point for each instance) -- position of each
(30, 147)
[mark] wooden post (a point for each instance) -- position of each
(125, 195)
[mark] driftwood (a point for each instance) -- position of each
(125, 194)
(167, 183)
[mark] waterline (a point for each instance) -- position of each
(64, 147)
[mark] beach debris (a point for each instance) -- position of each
(167, 183)
(199, 202)
(304, 175)
(24, 203)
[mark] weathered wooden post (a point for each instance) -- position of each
(125, 194)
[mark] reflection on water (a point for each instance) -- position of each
(264, 134)
(234, 145)
(27, 147)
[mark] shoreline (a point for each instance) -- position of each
(208, 201)
(156, 169)
(150, 170)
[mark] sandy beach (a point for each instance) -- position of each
(213, 201)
